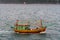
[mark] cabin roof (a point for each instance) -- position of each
(24, 25)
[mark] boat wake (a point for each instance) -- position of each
(7, 32)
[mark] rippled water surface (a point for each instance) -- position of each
(9, 13)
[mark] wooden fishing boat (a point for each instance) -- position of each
(37, 30)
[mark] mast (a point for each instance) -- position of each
(41, 23)
(16, 22)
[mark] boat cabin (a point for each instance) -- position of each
(21, 25)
